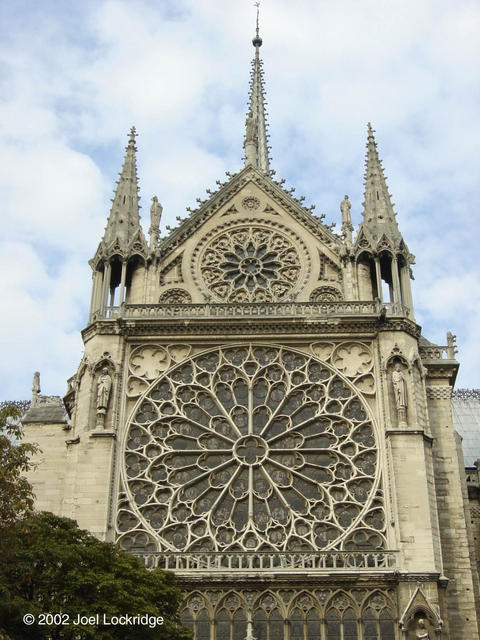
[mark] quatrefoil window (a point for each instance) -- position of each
(251, 450)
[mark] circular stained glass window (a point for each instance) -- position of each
(251, 264)
(252, 447)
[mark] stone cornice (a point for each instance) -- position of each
(241, 326)
(370, 580)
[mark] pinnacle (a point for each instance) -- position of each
(377, 207)
(255, 141)
(124, 219)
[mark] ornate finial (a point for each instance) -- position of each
(451, 345)
(257, 41)
(35, 388)
(132, 136)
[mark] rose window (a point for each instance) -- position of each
(253, 447)
(250, 265)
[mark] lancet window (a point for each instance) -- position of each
(303, 619)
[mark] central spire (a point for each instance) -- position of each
(255, 143)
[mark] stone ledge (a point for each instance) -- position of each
(103, 434)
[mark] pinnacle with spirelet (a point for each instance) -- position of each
(123, 223)
(378, 214)
(256, 137)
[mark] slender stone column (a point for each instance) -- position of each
(397, 293)
(122, 283)
(406, 290)
(379, 278)
(106, 286)
(95, 300)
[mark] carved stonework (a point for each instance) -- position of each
(252, 264)
(191, 427)
(250, 203)
(439, 393)
(325, 294)
(35, 388)
(175, 296)
(104, 388)
(400, 394)
(261, 614)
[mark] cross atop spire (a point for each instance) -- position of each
(379, 217)
(124, 219)
(256, 138)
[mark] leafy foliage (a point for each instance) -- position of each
(58, 568)
(16, 494)
(48, 565)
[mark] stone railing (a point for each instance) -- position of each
(436, 352)
(254, 310)
(264, 561)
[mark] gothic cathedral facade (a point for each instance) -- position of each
(257, 411)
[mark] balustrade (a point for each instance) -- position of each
(254, 309)
(271, 561)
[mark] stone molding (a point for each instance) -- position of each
(439, 393)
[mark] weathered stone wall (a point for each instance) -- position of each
(460, 595)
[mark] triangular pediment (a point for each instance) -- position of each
(363, 241)
(251, 241)
(274, 201)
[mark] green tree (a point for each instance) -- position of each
(16, 494)
(58, 568)
(49, 565)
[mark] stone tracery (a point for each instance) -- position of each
(246, 448)
(251, 264)
(302, 612)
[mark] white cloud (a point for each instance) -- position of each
(75, 81)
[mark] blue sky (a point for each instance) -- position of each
(74, 77)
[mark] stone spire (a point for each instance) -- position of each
(378, 215)
(255, 144)
(123, 223)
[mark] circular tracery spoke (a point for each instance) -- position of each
(252, 447)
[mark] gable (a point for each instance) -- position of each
(251, 242)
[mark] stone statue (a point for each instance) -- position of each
(422, 631)
(451, 345)
(345, 207)
(35, 387)
(347, 226)
(155, 217)
(104, 387)
(399, 387)
(250, 125)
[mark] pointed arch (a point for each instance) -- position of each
(378, 617)
(196, 614)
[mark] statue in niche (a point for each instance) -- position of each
(35, 388)
(400, 393)
(104, 387)
(155, 217)
(422, 631)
